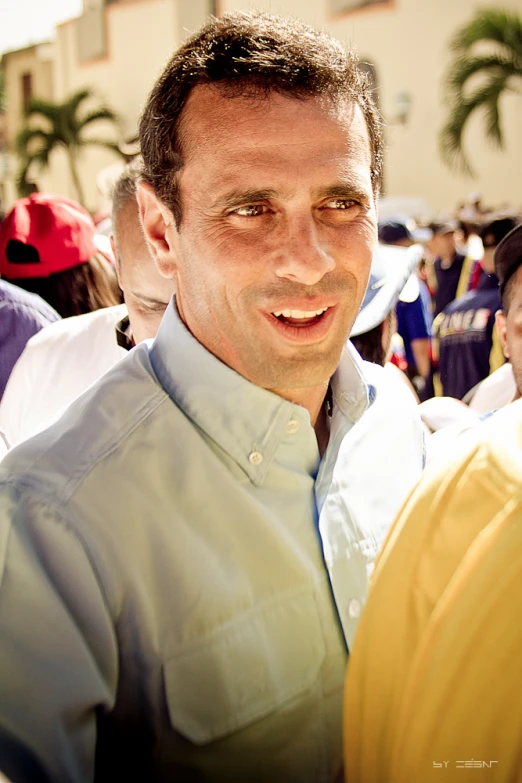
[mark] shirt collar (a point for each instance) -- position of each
(246, 421)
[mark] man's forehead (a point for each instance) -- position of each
(211, 114)
(127, 219)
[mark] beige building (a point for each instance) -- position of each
(27, 72)
(118, 48)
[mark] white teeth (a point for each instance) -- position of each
(299, 313)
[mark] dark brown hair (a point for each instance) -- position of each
(369, 344)
(79, 290)
(249, 54)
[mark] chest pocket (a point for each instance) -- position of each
(246, 669)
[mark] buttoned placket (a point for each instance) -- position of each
(347, 598)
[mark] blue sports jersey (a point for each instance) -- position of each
(412, 324)
(466, 338)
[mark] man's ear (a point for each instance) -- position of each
(159, 229)
(500, 323)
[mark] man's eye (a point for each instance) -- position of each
(340, 203)
(250, 210)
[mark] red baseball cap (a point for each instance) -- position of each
(45, 234)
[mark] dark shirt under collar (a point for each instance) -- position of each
(124, 334)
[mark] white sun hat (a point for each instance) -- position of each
(392, 277)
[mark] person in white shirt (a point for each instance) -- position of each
(62, 361)
(495, 391)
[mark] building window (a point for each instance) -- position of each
(340, 6)
(27, 88)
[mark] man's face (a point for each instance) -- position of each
(509, 327)
(277, 232)
(145, 291)
(442, 245)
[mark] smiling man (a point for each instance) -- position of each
(187, 551)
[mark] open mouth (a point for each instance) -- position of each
(300, 317)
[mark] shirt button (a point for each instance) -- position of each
(292, 426)
(354, 608)
(255, 458)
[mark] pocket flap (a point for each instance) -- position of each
(245, 669)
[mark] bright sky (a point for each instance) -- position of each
(24, 22)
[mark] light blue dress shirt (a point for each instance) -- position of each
(181, 575)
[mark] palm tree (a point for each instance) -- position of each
(487, 64)
(63, 126)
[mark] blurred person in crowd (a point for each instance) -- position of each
(448, 418)
(434, 678)
(373, 331)
(189, 546)
(414, 318)
(450, 271)
(22, 315)
(495, 391)
(48, 245)
(145, 291)
(469, 347)
(469, 243)
(505, 384)
(508, 268)
(61, 362)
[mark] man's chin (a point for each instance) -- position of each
(292, 375)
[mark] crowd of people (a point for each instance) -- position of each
(222, 555)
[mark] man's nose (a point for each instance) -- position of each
(303, 256)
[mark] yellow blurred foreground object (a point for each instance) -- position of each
(435, 676)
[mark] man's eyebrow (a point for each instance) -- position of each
(239, 197)
(344, 191)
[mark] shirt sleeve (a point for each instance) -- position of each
(15, 330)
(411, 320)
(58, 653)
(15, 412)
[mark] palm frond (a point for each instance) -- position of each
(486, 97)
(27, 136)
(50, 111)
(70, 106)
(41, 157)
(492, 122)
(450, 139)
(63, 126)
(22, 185)
(477, 78)
(464, 68)
(492, 25)
(108, 145)
(101, 113)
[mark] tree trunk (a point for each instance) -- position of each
(75, 177)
